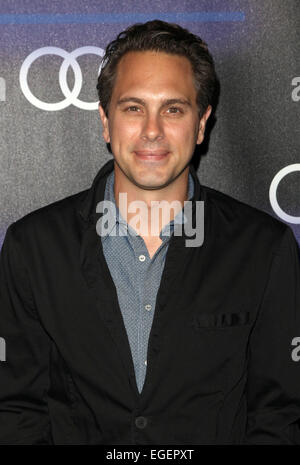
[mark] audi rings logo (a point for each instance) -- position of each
(69, 59)
(273, 193)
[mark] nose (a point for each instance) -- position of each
(152, 129)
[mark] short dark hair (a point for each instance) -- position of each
(165, 37)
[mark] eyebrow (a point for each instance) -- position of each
(142, 102)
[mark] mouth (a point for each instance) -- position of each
(151, 155)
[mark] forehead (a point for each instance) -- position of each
(152, 73)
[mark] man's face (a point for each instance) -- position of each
(153, 123)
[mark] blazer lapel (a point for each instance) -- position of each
(97, 275)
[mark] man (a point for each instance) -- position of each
(116, 337)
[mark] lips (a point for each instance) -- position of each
(153, 155)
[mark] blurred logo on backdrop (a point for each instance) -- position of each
(273, 193)
(296, 89)
(2, 89)
(69, 60)
(2, 350)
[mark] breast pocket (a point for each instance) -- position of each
(218, 346)
(222, 321)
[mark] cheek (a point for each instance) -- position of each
(122, 131)
(123, 137)
(180, 135)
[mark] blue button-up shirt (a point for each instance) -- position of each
(136, 276)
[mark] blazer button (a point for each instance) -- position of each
(141, 422)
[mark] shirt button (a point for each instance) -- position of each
(140, 422)
(146, 362)
(148, 307)
(142, 258)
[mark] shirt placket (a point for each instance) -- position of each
(142, 260)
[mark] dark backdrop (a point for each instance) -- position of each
(51, 151)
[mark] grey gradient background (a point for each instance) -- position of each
(46, 156)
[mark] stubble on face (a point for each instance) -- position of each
(153, 118)
(153, 125)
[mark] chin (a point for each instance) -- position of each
(151, 184)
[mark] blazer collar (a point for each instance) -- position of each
(95, 194)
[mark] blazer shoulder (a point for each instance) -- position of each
(243, 215)
(61, 211)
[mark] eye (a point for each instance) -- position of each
(132, 108)
(174, 110)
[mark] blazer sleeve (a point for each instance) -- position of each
(25, 350)
(273, 386)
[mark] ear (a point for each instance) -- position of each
(104, 120)
(202, 124)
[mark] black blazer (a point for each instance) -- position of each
(222, 358)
